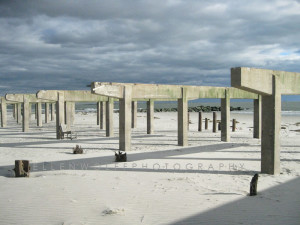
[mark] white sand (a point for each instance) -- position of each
(162, 183)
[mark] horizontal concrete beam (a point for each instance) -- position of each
(161, 92)
(70, 96)
(260, 80)
(20, 98)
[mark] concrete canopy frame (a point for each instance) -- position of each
(64, 98)
(271, 85)
(25, 100)
(151, 92)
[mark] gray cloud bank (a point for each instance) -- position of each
(58, 44)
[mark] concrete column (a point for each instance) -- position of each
(225, 117)
(271, 125)
(26, 114)
(68, 113)
(206, 124)
(214, 122)
(102, 115)
(39, 115)
(3, 112)
(257, 117)
(150, 116)
(19, 113)
(133, 114)
(200, 122)
(182, 119)
(35, 111)
(60, 114)
(14, 111)
(98, 112)
(109, 117)
(125, 115)
(46, 112)
(73, 112)
(52, 111)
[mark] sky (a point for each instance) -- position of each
(56, 44)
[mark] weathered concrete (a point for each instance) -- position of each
(98, 113)
(52, 111)
(68, 114)
(133, 114)
(225, 117)
(47, 113)
(150, 116)
(182, 119)
(200, 121)
(19, 113)
(26, 113)
(14, 111)
(214, 122)
(271, 85)
(3, 112)
(102, 115)
(60, 114)
(109, 117)
(125, 115)
(39, 114)
(257, 118)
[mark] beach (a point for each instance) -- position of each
(206, 182)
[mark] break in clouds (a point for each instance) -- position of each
(69, 44)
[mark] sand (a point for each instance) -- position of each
(162, 183)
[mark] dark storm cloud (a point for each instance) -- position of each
(68, 44)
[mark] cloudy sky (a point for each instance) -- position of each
(68, 44)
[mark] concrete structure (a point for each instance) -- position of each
(271, 85)
(150, 92)
(26, 100)
(65, 103)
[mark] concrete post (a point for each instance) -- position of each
(150, 116)
(233, 125)
(125, 115)
(39, 115)
(35, 111)
(26, 114)
(98, 112)
(60, 114)
(73, 112)
(182, 119)
(200, 122)
(3, 112)
(68, 113)
(206, 124)
(257, 117)
(14, 111)
(133, 114)
(271, 125)
(225, 117)
(19, 110)
(46, 112)
(214, 122)
(52, 111)
(102, 115)
(109, 117)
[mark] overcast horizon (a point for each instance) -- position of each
(69, 44)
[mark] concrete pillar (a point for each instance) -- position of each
(125, 116)
(52, 111)
(26, 114)
(47, 112)
(35, 111)
(200, 121)
(182, 119)
(271, 125)
(98, 112)
(68, 114)
(60, 114)
(39, 115)
(206, 124)
(3, 112)
(133, 114)
(109, 117)
(225, 117)
(214, 122)
(102, 115)
(73, 112)
(150, 116)
(233, 125)
(257, 117)
(19, 113)
(14, 111)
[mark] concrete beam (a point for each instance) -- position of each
(19, 98)
(260, 80)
